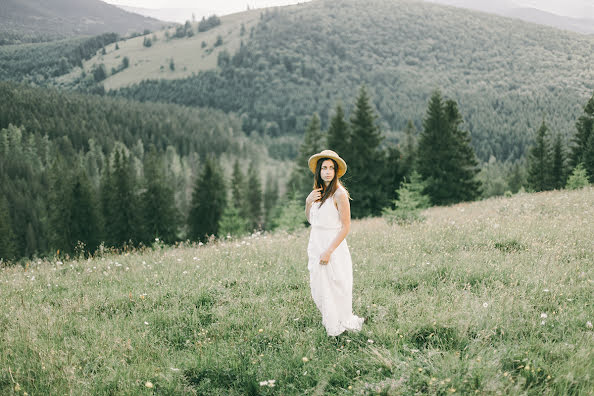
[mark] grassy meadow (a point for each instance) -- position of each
(491, 297)
(187, 53)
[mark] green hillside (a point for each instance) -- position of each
(24, 21)
(49, 138)
(506, 75)
(490, 297)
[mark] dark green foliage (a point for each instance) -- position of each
(232, 223)
(409, 203)
(271, 196)
(171, 65)
(582, 149)
(219, 41)
(338, 137)
(7, 237)
(59, 204)
(517, 178)
(207, 24)
(85, 217)
(408, 149)
(301, 180)
(539, 161)
(365, 160)
(238, 189)
(40, 62)
(99, 73)
(107, 120)
(121, 203)
(125, 63)
(558, 173)
(160, 216)
(578, 178)
(147, 42)
(303, 60)
(208, 202)
(446, 160)
(254, 198)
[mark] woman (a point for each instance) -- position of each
(330, 268)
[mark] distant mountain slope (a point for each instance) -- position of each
(579, 22)
(179, 15)
(507, 75)
(45, 20)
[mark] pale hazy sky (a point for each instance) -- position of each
(575, 8)
(235, 5)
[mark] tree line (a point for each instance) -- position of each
(504, 73)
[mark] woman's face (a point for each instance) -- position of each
(327, 171)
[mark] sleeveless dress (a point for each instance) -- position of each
(331, 284)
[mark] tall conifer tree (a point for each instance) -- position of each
(300, 182)
(254, 198)
(7, 236)
(408, 149)
(539, 163)
(239, 190)
(367, 161)
(446, 160)
(558, 173)
(582, 140)
(338, 138)
(60, 206)
(270, 199)
(208, 202)
(160, 215)
(86, 222)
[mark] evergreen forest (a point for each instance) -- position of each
(428, 105)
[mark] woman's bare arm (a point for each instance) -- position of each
(311, 198)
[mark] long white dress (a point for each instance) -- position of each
(331, 284)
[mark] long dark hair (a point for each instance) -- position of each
(327, 191)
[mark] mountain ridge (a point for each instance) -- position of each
(23, 21)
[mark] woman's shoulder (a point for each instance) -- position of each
(340, 193)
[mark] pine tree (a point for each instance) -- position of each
(232, 223)
(408, 149)
(270, 199)
(578, 178)
(516, 179)
(59, 207)
(465, 165)
(85, 219)
(558, 176)
(208, 202)
(589, 158)
(123, 224)
(446, 160)
(585, 129)
(411, 200)
(539, 163)
(239, 190)
(254, 198)
(160, 215)
(338, 134)
(301, 180)
(367, 161)
(7, 236)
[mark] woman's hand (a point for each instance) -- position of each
(314, 196)
(325, 257)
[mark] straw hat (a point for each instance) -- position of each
(313, 160)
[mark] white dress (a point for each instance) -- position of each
(331, 284)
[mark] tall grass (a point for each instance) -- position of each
(493, 297)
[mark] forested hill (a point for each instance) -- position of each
(23, 21)
(506, 75)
